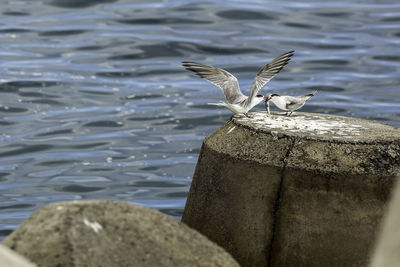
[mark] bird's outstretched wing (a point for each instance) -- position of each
(268, 72)
(221, 78)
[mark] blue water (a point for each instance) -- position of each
(94, 103)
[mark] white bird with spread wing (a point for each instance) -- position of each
(237, 102)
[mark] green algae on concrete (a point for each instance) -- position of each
(108, 233)
(306, 190)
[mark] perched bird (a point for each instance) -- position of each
(287, 102)
(237, 102)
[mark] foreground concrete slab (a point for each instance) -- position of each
(306, 190)
(9, 258)
(106, 233)
(387, 252)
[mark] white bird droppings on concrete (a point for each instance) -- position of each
(231, 129)
(94, 225)
(313, 125)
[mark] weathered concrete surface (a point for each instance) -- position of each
(9, 258)
(106, 233)
(306, 190)
(387, 251)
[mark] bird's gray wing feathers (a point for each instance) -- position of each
(268, 72)
(221, 78)
(293, 102)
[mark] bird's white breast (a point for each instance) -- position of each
(279, 102)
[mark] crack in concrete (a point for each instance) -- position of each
(277, 202)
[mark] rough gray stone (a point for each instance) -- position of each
(106, 233)
(9, 258)
(306, 190)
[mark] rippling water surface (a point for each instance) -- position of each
(94, 103)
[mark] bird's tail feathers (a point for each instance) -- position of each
(217, 104)
(312, 94)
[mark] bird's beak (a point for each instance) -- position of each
(267, 98)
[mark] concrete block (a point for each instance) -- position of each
(387, 249)
(107, 233)
(306, 190)
(9, 258)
